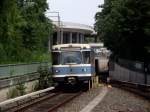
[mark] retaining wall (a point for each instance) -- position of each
(14, 74)
(5, 91)
(123, 74)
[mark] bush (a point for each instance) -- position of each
(45, 79)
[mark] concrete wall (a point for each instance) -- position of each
(14, 74)
(11, 81)
(123, 74)
(29, 88)
(8, 84)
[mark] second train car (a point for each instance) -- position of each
(72, 63)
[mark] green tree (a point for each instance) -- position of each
(10, 33)
(124, 26)
(24, 30)
(38, 27)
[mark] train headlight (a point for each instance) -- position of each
(84, 69)
(56, 71)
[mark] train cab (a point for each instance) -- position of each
(72, 63)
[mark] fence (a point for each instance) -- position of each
(132, 65)
(11, 70)
(130, 71)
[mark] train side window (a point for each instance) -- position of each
(54, 38)
(74, 37)
(66, 38)
(80, 38)
(86, 57)
(56, 58)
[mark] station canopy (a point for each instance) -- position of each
(75, 27)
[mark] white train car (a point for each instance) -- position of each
(73, 63)
(101, 57)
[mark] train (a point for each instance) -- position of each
(101, 57)
(72, 63)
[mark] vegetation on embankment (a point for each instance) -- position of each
(124, 27)
(24, 31)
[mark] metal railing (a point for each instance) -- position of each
(11, 70)
(132, 65)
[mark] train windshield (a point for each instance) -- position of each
(86, 57)
(71, 57)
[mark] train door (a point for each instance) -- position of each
(96, 66)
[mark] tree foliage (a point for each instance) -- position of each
(24, 30)
(124, 27)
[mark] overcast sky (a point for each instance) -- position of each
(78, 11)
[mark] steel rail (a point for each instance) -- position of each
(52, 99)
(49, 98)
(144, 92)
(64, 102)
(24, 107)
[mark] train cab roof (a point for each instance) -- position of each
(81, 46)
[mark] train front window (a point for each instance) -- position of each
(56, 58)
(86, 57)
(73, 57)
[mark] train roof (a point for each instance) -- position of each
(75, 27)
(87, 46)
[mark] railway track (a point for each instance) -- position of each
(47, 103)
(137, 89)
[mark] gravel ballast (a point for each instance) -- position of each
(80, 102)
(116, 100)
